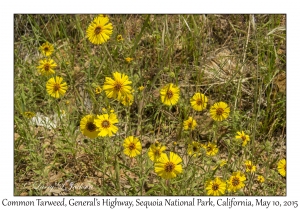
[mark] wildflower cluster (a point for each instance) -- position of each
(99, 125)
(55, 85)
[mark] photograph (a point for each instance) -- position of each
(149, 105)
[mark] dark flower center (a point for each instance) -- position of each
(170, 94)
(105, 124)
(157, 152)
(56, 87)
(243, 137)
(195, 148)
(209, 149)
(169, 167)
(215, 186)
(117, 86)
(219, 111)
(46, 49)
(199, 101)
(98, 30)
(47, 67)
(235, 181)
(132, 146)
(90, 126)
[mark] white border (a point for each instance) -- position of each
(153, 6)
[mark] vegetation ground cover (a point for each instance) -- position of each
(149, 104)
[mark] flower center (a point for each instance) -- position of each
(157, 152)
(169, 167)
(131, 146)
(56, 87)
(219, 111)
(195, 149)
(47, 67)
(98, 30)
(215, 186)
(199, 102)
(169, 94)
(243, 137)
(117, 86)
(209, 149)
(105, 124)
(249, 167)
(235, 181)
(46, 49)
(90, 126)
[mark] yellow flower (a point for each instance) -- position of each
(194, 149)
(98, 90)
(117, 87)
(141, 88)
(220, 164)
(88, 126)
(132, 146)
(119, 38)
(168, 168)
(198, 101)
(261, 179)
(282, 167)
(46, 49)
(103, 15)
(169, 94)
(155, 151)
(105, 124)
(67, 102)
(244, 137)
(128, 59)
(189, 124)
(29, 115)
(127, 100)
(46, 66)
(99, 30)
(219, 111)
(223, 162)
(55, 87)
(249, 166)
(215, 187)
(211, 149)
(236, 181)
(62, 112)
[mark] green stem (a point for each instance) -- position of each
(140, 35)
